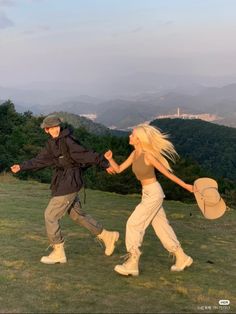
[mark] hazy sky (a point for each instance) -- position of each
(86, 42)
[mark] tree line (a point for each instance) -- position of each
(21, 138)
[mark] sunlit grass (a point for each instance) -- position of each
(87, 283)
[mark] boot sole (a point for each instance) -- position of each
(115, 239)
(187, 263)
(119, 271)
(63, 261)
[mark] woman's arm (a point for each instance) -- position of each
(160, 167)
(115, 166)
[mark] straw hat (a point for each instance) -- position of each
(208, 198)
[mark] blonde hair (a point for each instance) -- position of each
(152, 140)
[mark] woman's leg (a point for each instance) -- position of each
(142, 216)
(135, 229)
(169, 240)
(164, 231)
(139, 221)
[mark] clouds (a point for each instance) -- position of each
(85, 42)
(7, 3)
(38, 29)
(5, 22)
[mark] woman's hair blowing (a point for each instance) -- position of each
(155, 142)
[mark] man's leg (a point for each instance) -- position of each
(82, 218)
(55, 210)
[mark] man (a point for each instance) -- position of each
(66, 155)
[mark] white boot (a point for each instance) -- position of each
(56, 256)
(182, 260)
(109, 238)
(130, 266)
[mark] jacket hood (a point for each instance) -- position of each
(63, 133)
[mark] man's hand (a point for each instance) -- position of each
(110, 170)
(15, 168)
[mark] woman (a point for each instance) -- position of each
(151, 151)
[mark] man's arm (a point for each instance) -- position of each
(42, 160)
(82, 155)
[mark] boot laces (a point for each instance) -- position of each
(100, 242)
(52, 246)
(172, 256)
(126, 257)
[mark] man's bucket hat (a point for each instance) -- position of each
(208, 198)
(50, 121)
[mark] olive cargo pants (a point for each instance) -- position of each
(57, 207)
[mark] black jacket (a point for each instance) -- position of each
(67, 173)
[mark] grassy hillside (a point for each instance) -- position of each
(87, 283)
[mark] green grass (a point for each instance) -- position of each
(87, 283)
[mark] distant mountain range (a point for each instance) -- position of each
(81, 122)
(78, 121)
(126, 112)
(218, 101)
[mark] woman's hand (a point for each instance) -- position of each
(108, 155)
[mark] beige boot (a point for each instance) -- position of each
(56, 256)
(182, 260)
(109, 238)
(130, 266)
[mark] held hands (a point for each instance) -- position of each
(110, 170)
(114, 168)
(15, 168)
(108, 155)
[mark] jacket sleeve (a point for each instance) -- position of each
(42, 160)
(82, 155)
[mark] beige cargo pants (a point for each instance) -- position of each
(150, 211)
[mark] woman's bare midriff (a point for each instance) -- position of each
(148, 181)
